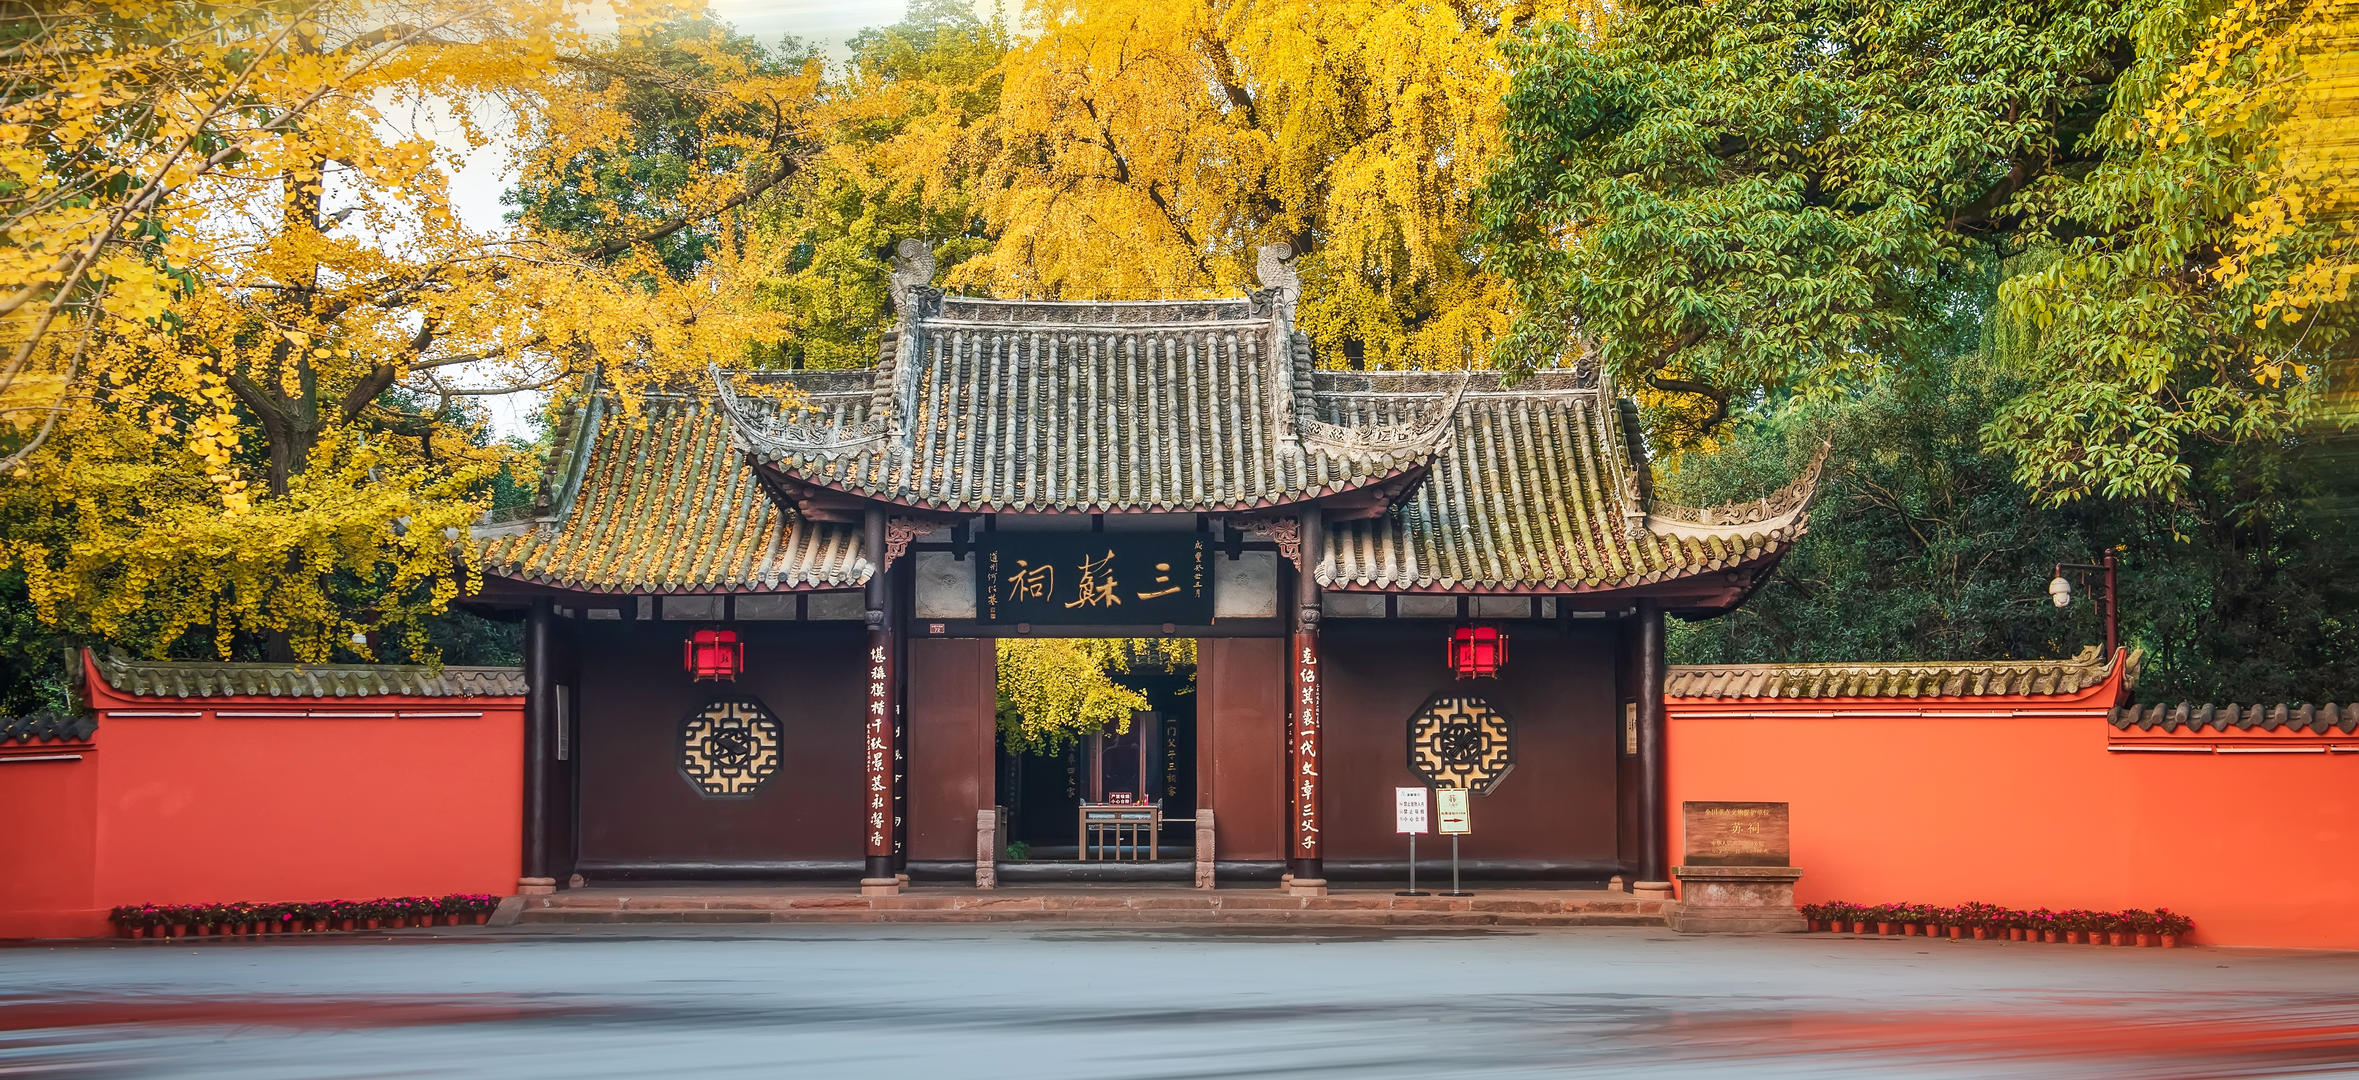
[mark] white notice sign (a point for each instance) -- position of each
(1453, 812)
(1409, 809)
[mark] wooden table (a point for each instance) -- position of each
(1116, 823)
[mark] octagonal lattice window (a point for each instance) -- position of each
(1459, 740)
(730, 747)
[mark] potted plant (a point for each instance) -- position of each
(2170, 927)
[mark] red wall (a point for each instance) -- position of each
(46, 847)
(2019, 802)
(192, 809)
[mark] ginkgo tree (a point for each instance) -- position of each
(253, 410)
(1142, 148)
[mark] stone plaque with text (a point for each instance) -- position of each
(1736, 834)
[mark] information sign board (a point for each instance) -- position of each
(1736, 833)
(1409, 810)
(1453, 811)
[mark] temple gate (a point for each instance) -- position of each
(761, 611)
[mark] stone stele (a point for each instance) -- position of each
(1737, 877)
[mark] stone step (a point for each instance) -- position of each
(610, 906)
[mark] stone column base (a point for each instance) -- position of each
(535, 886)
(1736, 900)
(1204, 862)
(880, 886)
(1651, 890)
(986, 849)
(1306, 886)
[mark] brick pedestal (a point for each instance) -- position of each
(1736, 900)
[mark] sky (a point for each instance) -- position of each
(488, 172)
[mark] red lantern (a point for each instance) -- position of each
(715, 654)
(1477, 652)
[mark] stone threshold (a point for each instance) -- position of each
(1516, 907)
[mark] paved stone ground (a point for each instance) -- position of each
(1133, 1003)
(711, 903)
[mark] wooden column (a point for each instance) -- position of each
(878, 829)
(540, 745)
(1654, 863)
(1309, 874)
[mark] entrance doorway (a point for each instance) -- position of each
(1097, 722)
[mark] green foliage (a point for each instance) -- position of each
(1053, 691)
(1722, 200)
(2176, 294)
(1923, 545)
(851, 202)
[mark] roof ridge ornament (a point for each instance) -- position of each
(1773, 511)
(1423, 435)
(770, 432)
(911, 288)
(1273, 265)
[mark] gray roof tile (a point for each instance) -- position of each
(185, 679)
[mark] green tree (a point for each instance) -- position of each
(1924, 545)
(880, 177)
(1772, 196)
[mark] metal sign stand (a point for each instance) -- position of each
(1410, 815)
(1454, 868)
(1412, 890)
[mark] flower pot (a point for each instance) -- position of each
(1858, 927)
(1956, 932)
(2050, 936)
(178, 930)
(2072, 937)
(373, 923)
(1884, 928)
(2145, 940)
(1909, 929)
(2169, 941)
(482, 918)
(1982, 933)
(2118, 938)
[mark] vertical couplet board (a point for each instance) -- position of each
(1306, 746)
(880, 750)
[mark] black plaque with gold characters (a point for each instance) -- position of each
(1074, 578)
(1459, 740)
(729, 748)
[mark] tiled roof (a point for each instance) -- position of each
(993, 406)
(1535, 491)
(179, 679)
(47, 727)
(665, 503)
(1950, 679)
(2193, 718)
(1434, 481)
